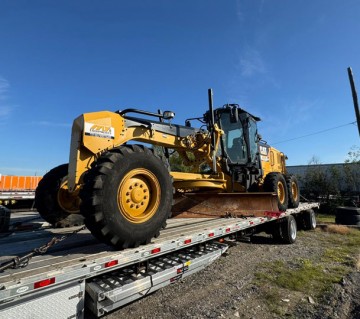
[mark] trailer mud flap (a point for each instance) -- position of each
(224, 205)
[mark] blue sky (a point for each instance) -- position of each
(284, 61)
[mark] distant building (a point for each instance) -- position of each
(347, 174)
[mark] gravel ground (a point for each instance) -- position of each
(226, 288)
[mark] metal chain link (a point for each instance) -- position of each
(21, 262)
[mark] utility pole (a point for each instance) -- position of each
(355, 98)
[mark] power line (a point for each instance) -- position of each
(311, 134)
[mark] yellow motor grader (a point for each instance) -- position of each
(124, 191)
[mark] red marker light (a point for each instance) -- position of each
(211, 235)
(111, 263)
(44, 283)
(187, 241)
(156, 250)
(227, 230)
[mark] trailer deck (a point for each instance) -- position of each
(81, 258)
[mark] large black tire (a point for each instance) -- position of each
(348, 220)
(289, 230)
(309, 220)
(348, 216)
(275, 183)
(47, 200)
(341, 211)
(293, 191)
(277, 231)
(117, 210)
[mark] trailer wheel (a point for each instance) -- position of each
(293, 191)
(289, 230)
(277, 232)
(54, 203)
(309, 219)
(127, 196)
(275, 183)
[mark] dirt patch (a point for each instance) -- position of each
(250, 282)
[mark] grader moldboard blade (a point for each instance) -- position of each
(218, 205)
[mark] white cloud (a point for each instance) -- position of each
(4, 85)
(251, 63)
(48, 123)
(21, 171)
(4, 111)
(5, 108)
(239, 10)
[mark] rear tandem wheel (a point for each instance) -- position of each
(293, 191)
(54, 203)
(275, 183)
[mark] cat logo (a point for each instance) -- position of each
(98, 130)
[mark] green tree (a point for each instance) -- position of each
(352, 170)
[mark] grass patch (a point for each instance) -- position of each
(337, 229)
(324, 218)
(301, 275)
(312, 277)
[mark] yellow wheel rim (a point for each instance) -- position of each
(139, 195)
(69, 202)
(281, 192)
(294, 191)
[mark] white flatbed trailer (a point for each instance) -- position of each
(80, 272)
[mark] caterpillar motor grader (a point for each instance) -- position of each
(124, 192)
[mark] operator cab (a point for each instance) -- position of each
(239, 143)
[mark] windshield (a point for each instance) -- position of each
(233, 140)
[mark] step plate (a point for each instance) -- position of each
(111, 291)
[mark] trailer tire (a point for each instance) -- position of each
(275, 183)
(309, 220)
(127, 196)
(277, 232)
(48, 196)
(293, 191)
(289, 230)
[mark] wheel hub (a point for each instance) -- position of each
(294, 190)
(281, 192)
(139, 195)
(69, 202)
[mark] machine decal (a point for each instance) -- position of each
(98, 130)
(264, 153)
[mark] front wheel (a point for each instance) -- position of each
(127, 196)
